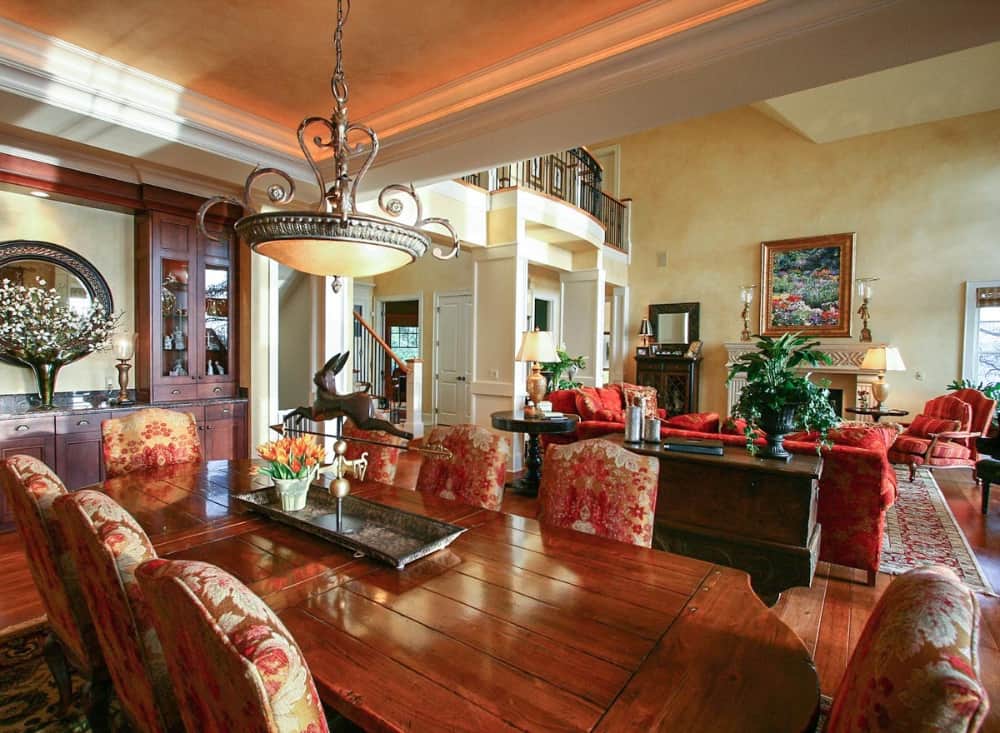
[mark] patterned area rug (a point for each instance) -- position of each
(28, 696)
(921, 530)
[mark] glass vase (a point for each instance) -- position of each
(45, 379)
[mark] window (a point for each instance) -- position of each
(405, 341)
(981, 360)
(542, 314)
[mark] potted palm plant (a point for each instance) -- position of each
(778, 399)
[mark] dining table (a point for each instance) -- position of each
(514, 626)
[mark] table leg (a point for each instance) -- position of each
(527, 485)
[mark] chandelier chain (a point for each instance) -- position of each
(339, 81)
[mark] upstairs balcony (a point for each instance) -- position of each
(573, 176)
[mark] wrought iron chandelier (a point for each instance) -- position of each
(334, 239)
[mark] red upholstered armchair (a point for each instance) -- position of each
(944, 434)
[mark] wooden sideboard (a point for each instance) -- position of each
(675, 379)
(755, 514)
(70, 441)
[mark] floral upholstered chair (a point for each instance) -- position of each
(31, 488)
(916, 665)
(107, 545)
(382, 460)
(598, 487)
(148, 439)
(475, 474)
(944, 434)
(234, 665)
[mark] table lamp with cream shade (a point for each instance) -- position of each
(645, 331)
(882, 359)
(536, 346)
(123, 347)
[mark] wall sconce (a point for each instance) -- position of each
(123, 346)
(865, 293)
(746, 297)
(646, 331)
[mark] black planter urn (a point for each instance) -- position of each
(777, 424)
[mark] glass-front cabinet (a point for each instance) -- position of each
(191, 311)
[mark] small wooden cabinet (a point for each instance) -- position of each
(186, 310)
(675, 378)
(33, 436)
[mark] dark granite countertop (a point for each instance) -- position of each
(17, 406)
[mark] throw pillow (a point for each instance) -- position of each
(699, 422)
(922, 426)
(610, 397)
(633, 393)
(587, 402)
(606, 415)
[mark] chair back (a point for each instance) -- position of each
(598, 487)
(475, 473)
(948, 407)
(382, 459)
(147, 439)
(983, 409)
(107, 545)
(31, 487)
(916, 665)
(234, 665)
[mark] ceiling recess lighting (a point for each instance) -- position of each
(39, 194)
(333, 238)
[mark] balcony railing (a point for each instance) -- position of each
(572, 176)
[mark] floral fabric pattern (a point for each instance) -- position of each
(149, 438)
(107, 545)
(598, 487)
(31, 488)
(382, 460)
(915, 667)
(475, 474)
(234, 665)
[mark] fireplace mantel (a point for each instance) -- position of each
(846, 358)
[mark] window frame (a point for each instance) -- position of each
(970, 341)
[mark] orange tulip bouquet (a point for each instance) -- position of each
(293, 466)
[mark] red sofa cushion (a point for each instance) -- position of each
(871, 437)
(606, 415)
(922, 426)
(596, 428)
(737, 426)
(906, 445)
(705, 422)
(564, 401)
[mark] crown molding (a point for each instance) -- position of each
(53, 72)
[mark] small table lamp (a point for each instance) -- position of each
(883, 359)
(646, 331)
(123, 346)
(536, 346)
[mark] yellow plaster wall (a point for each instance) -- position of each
(105, 238)
(924, 201)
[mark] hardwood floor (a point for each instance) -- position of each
(828, 617)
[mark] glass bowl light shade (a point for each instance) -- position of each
(123, 345)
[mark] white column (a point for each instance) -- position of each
(415, 397)
(263, 348)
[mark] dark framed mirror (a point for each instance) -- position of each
(24, 262)
(674, 325)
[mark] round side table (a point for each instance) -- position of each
(515, 422)
(875, 413)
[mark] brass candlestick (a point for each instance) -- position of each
(123, 366)
(865, 291)
(123, 345)
(746, 295)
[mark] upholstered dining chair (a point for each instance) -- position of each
(598, 487)
(234, 665)
(107, 545)
(382, 459)
(474, 474)
(944, 434)
(147, 439)
(916, 666)
(31, 488)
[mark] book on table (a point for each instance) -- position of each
(693, 445)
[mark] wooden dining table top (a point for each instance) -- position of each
(514, 626)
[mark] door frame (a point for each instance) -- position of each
(438, 294)
(378, 317)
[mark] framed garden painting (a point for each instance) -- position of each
(807, 285)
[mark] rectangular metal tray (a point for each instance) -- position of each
(392, 535)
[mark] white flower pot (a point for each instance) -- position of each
(292, 492)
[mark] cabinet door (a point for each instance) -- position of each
(79, 459)
(221, 438)
(217, 325)
(175, 347)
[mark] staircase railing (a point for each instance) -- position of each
(573, 176)
(379, 367)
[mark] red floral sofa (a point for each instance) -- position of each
(858, 482)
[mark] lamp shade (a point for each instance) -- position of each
(123, 345)
(883, 359)
(644, 328)
(537, 346)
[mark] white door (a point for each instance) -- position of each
(453, 332)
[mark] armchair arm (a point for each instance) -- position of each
(955, 434)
